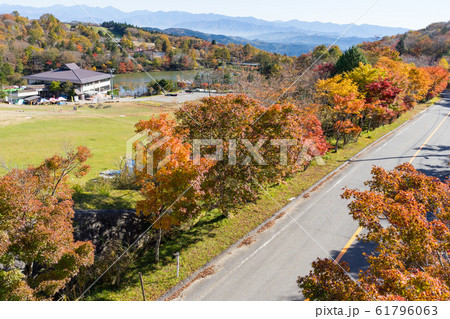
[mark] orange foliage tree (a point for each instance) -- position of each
(224, 118)
(36, 229)
(411, 258)
(439, 80)
(171, 191)
(235, 120)
(341, 108)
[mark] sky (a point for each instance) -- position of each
(413, 14)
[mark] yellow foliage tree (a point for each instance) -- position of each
(338, 85)
(364, 75)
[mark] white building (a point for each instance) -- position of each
(85, 82)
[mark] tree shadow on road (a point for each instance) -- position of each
(355, 258)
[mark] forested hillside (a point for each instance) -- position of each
(30, 46)
(422, 47)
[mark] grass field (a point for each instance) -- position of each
(29, 134)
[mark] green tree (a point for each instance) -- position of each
(35, 33)
(163, 85)
(350, 60)
(400, 46)
(185, 46)
(6, 70)
(68, 89)
(321, 52)
(249, 51)
(166, 46)
(222, 54)
(55, 87)
(66, 86)
(335, 52)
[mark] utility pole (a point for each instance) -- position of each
(142, 286)
(177, 255)
(111, 71)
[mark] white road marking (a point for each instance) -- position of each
(253, 254)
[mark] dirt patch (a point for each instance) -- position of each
(203, 274)
(14, 114)
(280, 215)
(266, 226)
(246, 242)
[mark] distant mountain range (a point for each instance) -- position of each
(288, 43)
(292, 37)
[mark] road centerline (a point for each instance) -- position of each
(360, 228)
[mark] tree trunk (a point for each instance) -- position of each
(29, 270)
(222, 196)
(338, 136)
(158, 244)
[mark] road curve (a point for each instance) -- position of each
(320, 226)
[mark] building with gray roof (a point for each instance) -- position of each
(85, 82)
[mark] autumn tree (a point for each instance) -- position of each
(166, 44)
(126, 43)
(237, 123)
(365, 74)
(340, 108)
(406, 214)
(396, 72)
(38, 254)
(420, 83)
(224, 119)
(322, 53)
(347, 111)
(416, 84)
(388, 95)
(171, 183)
(294, 138)
(439, 80)
(340, 85)
(374, 50)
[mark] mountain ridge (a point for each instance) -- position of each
(197, 22)
(292, 37)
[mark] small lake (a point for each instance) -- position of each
(136, 83)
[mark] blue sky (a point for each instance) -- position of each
(412, 14)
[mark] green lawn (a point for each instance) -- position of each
(42, 132)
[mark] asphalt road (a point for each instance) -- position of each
(320, 226)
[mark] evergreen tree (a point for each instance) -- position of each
(400, 47)
(350, 60)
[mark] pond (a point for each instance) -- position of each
(136, 83)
